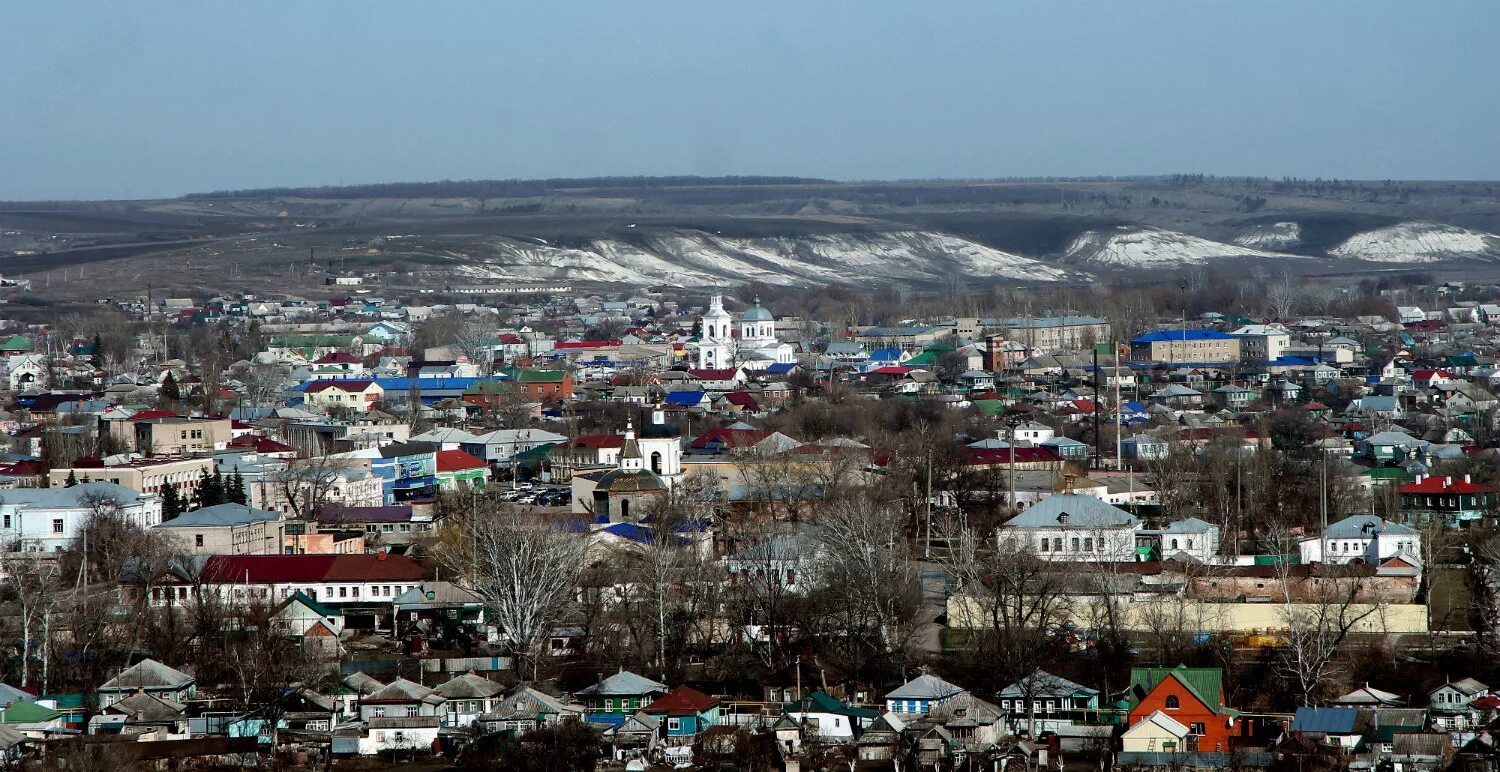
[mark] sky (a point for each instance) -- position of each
(104, 99)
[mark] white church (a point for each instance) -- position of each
(756, 347)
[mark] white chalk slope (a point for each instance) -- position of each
(684, 257)
(1281, 235)
(1420, 242)
(1134, 247)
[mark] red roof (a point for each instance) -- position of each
(260, 444)
(575, 344)
(981, 457)
(337, 358)
(598, 441)
(742, 399)
(268, 569)
(730, 438)
(357, 387)
(892, 370)
(1448, 485)
(457, 461)
(681, 701)
(511, 339)
(1427, 375)
(147, 414)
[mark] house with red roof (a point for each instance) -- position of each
(457, 470)
(1453, 501)
(331, 394)
(361, 580)
(684, 713)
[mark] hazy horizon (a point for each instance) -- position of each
(110, 101)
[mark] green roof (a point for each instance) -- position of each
(1205, 683)
(67, 701)
(538, 452)
(316, 607)
(23, 712)
(818, 702)
(990, 407)
(294, 341)
(1388, 473)
(536, 376)
(16, 343)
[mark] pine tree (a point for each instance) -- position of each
(210, 490)
(234, 491)
(169, 389)
(72, 479)
(96, 357)
(171, 502)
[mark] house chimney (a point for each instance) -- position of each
(1447, 481)
(1468, 478)
(381, 555)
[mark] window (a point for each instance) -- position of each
(7, 522)
(57, 525)
(1073, 544)
(1088, 544)
(198, 540)
(1057, 544)
(1044, 544)
(343, 592)
(674, 725)
(380, 711)
(1196, 729)
(1173, 703)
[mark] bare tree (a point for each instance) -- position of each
(526, 570)
(33, 581)
(1319, 622)
(303, 485)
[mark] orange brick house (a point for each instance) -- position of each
(1194, 698)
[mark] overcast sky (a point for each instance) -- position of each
(126, 99)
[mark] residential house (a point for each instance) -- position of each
(526, 709)
(1073, 527)
(50, 519)
(1042, 702)
(1452, 501)
(401, 699)
(1191, 697)
(820, 715)
(920, 695)
(150, 677)
(343, 394)
(467, 697)
(619, 695)
(685, 713)
(1452, 704)
(1361, 538)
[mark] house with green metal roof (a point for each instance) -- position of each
(16, 344)
(831, 719)
(31, 718)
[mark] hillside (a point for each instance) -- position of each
(697, 232)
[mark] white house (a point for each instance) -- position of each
(1073, 527)
(1156, 733)
(50, 519)
(1364, 538)
(25, 370)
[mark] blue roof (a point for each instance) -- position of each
(1329, 720)
(684, 398)
(883, 354)
(781, 368)
(1171, 336)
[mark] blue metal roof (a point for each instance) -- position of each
(1174, 336)
(1328, 720)
(684, 398)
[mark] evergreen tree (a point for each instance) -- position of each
(171, 502)
(169, 389)
(234, 490)
(96, 352)
(210, 490)
(72, 479)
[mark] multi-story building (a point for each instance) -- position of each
(367, 581)
(1073, 527)
(50, 519)
(227, 529)
(146, 475)
(1452, 501)
(1046, 334)
(1180, 347)
(1262, 342)
(179, 435)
